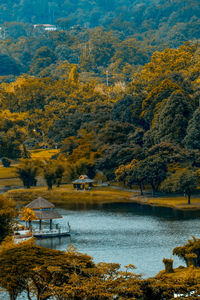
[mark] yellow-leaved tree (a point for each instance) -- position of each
(28, 215)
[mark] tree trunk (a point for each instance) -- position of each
(141, 190)
(49, 184)
(28, 293)
(12, 296)
(153, 189)
(29, 222)
(189, 197)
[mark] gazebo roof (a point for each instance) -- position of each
(43, 209)
(83, 179)
(47, 214)
(40, 203)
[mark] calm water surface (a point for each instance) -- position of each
(127, 233)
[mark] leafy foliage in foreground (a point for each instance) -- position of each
(63, 275)
(7, 213)
(47, 273)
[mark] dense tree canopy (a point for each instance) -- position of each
(98, 127)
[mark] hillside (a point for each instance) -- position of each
(100, 37)
(170, 21)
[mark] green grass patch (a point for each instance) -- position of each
(43, 153)
(10, 182)
(6, 173)
(66, 195)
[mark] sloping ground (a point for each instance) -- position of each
(180, 273)
(182, 283)
(66, 195)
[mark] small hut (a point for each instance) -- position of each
(43, 210)
(83, 183)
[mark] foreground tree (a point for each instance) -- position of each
(69, 275)
(7, 213)
(189, 252)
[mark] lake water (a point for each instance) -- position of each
(127, 233)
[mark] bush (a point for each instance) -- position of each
(168, 265)
(6, 162)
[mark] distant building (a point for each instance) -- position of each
(83, 183)
(45, 27)
(3, 33)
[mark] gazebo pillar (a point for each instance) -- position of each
(40, 225)
(50, 224)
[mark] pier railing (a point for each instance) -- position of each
(55, 229)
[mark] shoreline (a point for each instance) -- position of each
(173, 202)
(65, 194)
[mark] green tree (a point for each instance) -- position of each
(171, 120)
(131, 174)
(184, 180)
(152, 170)
(27, 171)
(43, 57)
(59, 172)
(158, 94)
(192, 138)
(49, 173)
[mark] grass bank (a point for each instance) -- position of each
(8, 177)
(176, 202)
(66, 195)
(7, 173)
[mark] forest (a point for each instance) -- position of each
(115, 89)
(143, 132)
(99, 36)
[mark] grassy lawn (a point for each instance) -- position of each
(10, 182)
(8, 176)
(66, 195)
(6, 173)
(43, 153)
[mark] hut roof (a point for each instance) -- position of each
(47, 214)
(83, 179)
(40, 203)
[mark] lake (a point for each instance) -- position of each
(127, 233)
